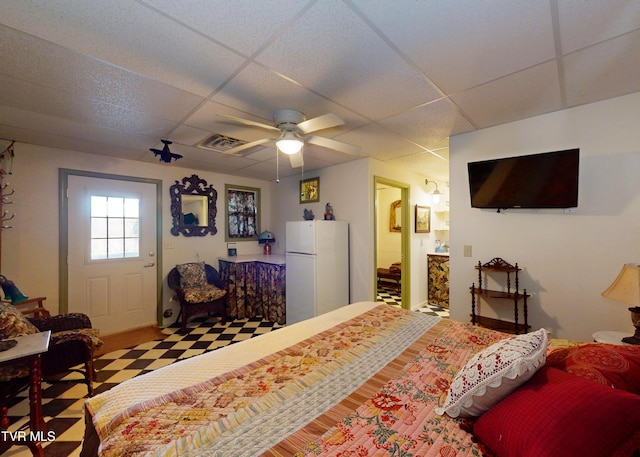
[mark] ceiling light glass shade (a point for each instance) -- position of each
(435, 195)
(289, 144)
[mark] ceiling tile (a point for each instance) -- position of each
(430, 125)
(334, 52)
(243, 25)
(586, 23)
(607, 70)
(128, 35)
(425, 163)
(518, 96)
(464, 43)
(42, 100)
(379, 142)
(259, 91)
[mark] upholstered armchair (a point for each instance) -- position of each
(199, 289)
(72, 344)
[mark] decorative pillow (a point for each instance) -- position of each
(494, 373)
(192, 274)
(557, 413)
(13, 323)
(608, 364)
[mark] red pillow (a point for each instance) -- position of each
(556, 413)
(614, 366)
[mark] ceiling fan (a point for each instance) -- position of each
(295, 129)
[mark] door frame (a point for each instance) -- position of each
(405, 252)
(63, 225)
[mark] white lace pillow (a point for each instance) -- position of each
(491, 375)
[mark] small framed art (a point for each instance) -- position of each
(423, 219)
(310, 190)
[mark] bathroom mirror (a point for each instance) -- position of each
(193, 207)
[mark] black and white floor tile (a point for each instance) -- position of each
(390, 296)
(63, 404)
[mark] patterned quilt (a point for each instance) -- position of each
(367, 387)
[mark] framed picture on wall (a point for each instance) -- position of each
(242, 213)
(310, 190)
(423, 219)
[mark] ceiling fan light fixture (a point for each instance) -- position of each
(290, 144)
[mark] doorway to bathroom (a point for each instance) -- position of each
(392, 255)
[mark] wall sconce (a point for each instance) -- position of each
(435, 195)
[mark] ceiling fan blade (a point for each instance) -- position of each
(296, 160)
(320, 123)
(247, 146)
(251, 123)
(333, 144)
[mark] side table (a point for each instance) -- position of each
(605, 336)
(28, 351)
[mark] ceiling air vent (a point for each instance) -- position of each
(222, 143)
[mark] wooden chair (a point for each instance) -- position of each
(34, 306)
(199, 289)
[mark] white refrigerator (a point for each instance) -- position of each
(317, 268)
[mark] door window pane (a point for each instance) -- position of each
(115, 227)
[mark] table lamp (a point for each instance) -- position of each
(626, 289)
(266, 238)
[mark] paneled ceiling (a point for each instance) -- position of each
(114, 77)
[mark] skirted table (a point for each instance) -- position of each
(256, 286)
(438, 286)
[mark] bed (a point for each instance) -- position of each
(369, 380)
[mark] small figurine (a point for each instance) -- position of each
(308, 215)
(328, 213)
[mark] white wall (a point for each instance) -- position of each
(346, 187)
(568, 259)
(30, 249)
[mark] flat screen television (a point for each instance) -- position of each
(547, 180)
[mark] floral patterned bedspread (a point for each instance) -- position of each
(396, 416)
(367, 387)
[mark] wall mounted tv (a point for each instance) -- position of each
(547, 180)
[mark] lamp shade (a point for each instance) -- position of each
(626, 287)
(266, 237)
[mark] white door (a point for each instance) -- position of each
(112, 259)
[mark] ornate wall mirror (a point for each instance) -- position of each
(193, 207)
(395, 216)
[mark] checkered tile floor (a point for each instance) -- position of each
(63, 404)
(389, 295)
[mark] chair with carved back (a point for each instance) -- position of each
(199, 289)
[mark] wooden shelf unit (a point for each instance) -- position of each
(498, 265)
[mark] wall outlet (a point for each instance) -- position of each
(467, 250)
